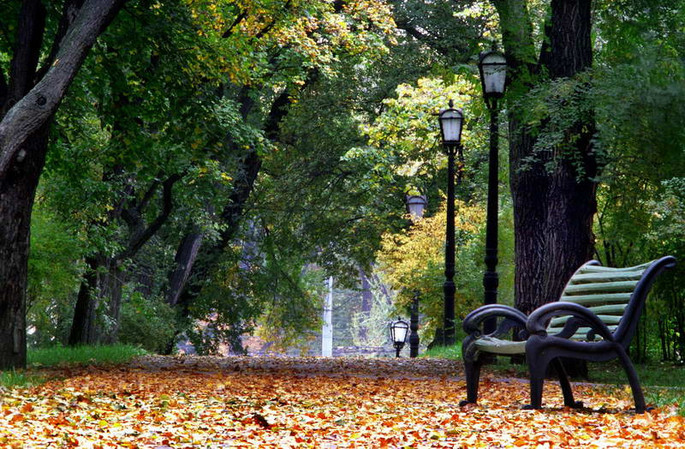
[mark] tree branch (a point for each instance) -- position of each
(70, 11)
(27, 51)
(38, 106)
(138, 239)
(236, 22)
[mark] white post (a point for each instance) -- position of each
(327, 330)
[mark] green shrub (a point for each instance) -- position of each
(147, 323)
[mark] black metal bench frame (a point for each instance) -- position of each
(555, 330)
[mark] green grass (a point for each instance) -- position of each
(18, 379)
(443, 352)
(82, 355)
(66, 356)
(663, 383)
(657, 374)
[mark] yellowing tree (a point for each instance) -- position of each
(413, 261)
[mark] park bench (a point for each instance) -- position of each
(595, 319)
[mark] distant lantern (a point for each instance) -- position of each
(399, 330)
(493, 74)
(416, 204)
(450, 125)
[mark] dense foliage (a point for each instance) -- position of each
(214, 161)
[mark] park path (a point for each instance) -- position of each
(255, 402)
(407, 368)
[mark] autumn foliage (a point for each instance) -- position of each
(251, 402)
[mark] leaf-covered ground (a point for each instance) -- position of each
(250, 402)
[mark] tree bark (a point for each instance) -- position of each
(17, 191)
(83, 329)
(30, 100)
(183, 264)
(553, 207)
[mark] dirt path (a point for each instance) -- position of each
(309, 366)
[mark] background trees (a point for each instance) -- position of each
(216, 161)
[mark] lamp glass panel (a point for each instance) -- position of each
(450, 123)
(416, 205)
(494, 73)
(400, 329)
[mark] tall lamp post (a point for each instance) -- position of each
(414, 339)
(416, 204)
(450, 128)
(493, 71)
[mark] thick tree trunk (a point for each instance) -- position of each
(553, 207)
(553, 191)
(28, 103)
(17, 189)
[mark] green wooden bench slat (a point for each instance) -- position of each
(601, 268)
(581, 333)
(609, 287)
(598, 298)
(498, 346)
(607, 319)
(605, 277)
(610, 309)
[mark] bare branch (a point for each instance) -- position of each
(140, 238)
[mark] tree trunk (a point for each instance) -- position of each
(28, 103)
(112, 283)
(553, 191)
(184, 261)
(83, 330)
(17, 190)
(553, 207)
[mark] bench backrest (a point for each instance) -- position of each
(616, 295)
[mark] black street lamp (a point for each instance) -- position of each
(451, 121)
(398, 332)
(493, 72)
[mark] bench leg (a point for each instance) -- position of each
(638, 397)
(565, 385)
(537, 368)
(472, 371)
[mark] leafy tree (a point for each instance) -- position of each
(32, 86)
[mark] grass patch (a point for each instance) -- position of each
(663, 383)
(659, 374)
(82, 355)
(443, 352)
(18, 379)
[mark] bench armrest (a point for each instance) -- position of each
(512, 317)
(539, 320)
